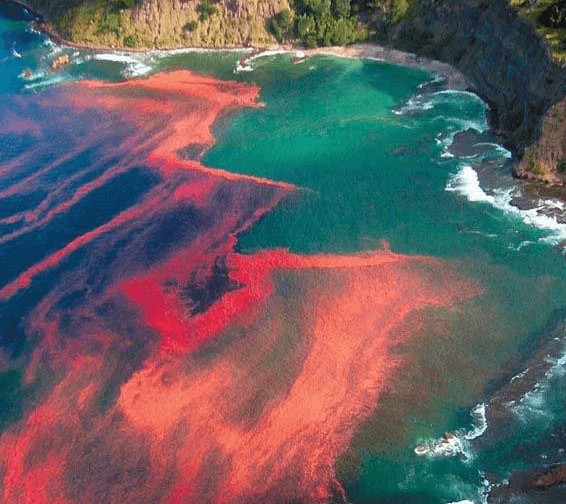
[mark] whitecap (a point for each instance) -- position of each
(136, 65)
(246, 64)
(47, 81)
(466, 183)
(502, 151)
(533, 403)
(456, 443)
(436, 79)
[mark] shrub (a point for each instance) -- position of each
(561, 166)
(191, 25)
(398, 10)
(110, 23)
(130, 41)
(281, 25)
(123, 4)
(206, 10)
(532, 164)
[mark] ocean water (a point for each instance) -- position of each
(370, 148)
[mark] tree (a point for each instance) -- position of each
(281, 24)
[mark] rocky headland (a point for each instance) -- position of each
(506, 63)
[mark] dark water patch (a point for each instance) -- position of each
(15, 11)
(200, 293)
(535, 351)
(169, 229)
(92, 211)
(13, 145)
(16, 204)
(13, 337)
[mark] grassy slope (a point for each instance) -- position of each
(555, 38)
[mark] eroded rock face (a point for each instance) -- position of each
(542, 486)
(546, 159)
(505, 62)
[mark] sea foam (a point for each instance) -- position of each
(533, 404)
(456, 443)
(466, 183)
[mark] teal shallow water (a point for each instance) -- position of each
(373, 174)
(368, 158)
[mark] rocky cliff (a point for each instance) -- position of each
(504, 59)
(163, 24)
(506, 63)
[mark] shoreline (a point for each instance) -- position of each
(454, 79)
(363, 51)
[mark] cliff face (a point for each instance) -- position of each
(505, 62)
(546, 159)
(504, 59)
(162, 23)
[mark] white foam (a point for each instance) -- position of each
(136, 65)
(502, 151)
(428, 101)
(456, 443)
(417, 103)
(197, 50)
(246, 64)
(459, 93)
(46, 82)
(466, 183)
(16, 54)
(533, 403)
(480, 422)
(437, 78)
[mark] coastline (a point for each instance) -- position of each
(364, 51)
(534, 190)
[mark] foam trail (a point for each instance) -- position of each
(456, 443)
(466, 183)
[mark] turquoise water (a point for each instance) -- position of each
(366, 144)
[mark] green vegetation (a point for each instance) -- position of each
(554, 16)
(320, 22)
(533, 166)
(130, 41)
(312, 22)
(281, 25)
(125, 4)
(561, 166)
(549, 19)
(206, 9)
(110, 23)
(191, 25)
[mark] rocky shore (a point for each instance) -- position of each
(508, 65)
(544, 486)
(498, 52)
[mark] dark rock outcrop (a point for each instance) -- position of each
(541, 486)
(499, 52)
